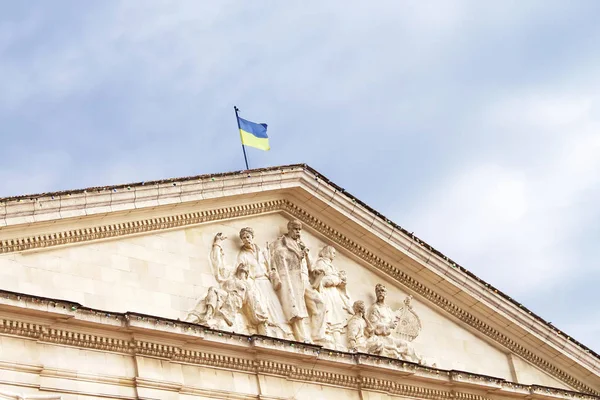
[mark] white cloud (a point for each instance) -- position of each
(423, 78)
(514, 224)
(28, 177)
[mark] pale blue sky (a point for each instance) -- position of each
(474, 124)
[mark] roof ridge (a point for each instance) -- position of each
(144, 183)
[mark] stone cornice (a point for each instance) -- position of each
(255, 357)
(102, 200)
(16, 396)
(194, 218)
(178, 342)
(134, 227)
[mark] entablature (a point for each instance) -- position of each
(137, 335)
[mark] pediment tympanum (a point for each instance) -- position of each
(283, 262)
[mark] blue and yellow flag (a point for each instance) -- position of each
(253, 134)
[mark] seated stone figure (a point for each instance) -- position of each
(355, 330)
(381, 324)
(223, 306)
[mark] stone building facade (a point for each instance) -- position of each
(262, 284)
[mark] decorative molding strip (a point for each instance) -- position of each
(83, 377)
(26, 368)
(412, 391)
(135, 227)
(63, 337)
(183, 220)
(265, 366)
(221, 394)
(215, 360)
(467, 396)
(328, 378)
(16, 396)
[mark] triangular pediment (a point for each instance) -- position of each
(147, 249)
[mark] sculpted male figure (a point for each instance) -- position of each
(289, 258)
(356, 327)
(381, 322)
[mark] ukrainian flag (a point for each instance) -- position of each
(253, 134)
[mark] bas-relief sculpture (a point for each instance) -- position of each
(356, 328)
(331, 286)
(224, 307)
(279, 291)
(382, 323)
(265, 283)
(289, 260)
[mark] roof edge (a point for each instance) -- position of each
(146, 183)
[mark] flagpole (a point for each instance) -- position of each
(237, 118)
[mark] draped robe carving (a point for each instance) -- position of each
(232, 304)
(287, 257)
(331, 284)
(281, 293)
(262, 278)
(381, 325)
(221, 308)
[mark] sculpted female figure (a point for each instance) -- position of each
(331, 283)
(222, 306)
(264, 280)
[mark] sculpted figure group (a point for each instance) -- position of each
(280, 292)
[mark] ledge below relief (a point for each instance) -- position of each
(254, 351)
